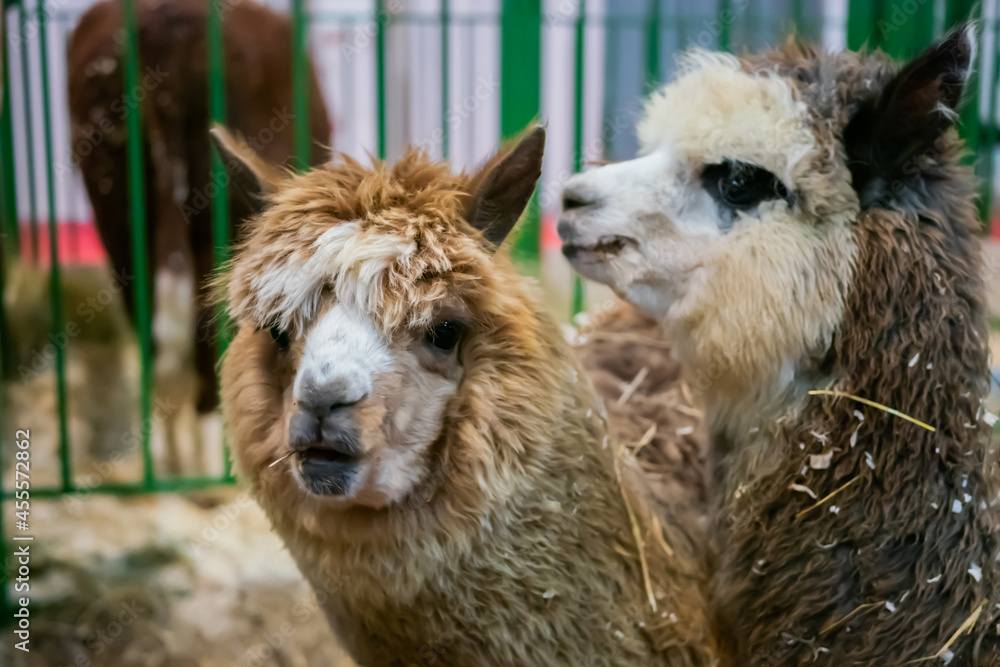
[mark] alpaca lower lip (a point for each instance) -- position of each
(327, 472)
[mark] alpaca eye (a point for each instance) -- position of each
(280, 337)
(741, 185)
(445, 335)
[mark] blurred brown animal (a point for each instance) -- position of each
(173, 99)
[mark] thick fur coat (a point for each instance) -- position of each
(516, 547)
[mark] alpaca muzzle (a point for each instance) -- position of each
(327, 449)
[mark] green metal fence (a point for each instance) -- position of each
(521, 23)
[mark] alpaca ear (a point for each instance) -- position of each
(251, 178)
(887, 135)
(505, 186)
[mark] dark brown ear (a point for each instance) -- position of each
(251, 179)
(506, 187)
(887, 135)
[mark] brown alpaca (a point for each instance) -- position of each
(422, 438)
(801, 221)
(174, 101)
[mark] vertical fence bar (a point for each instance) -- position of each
(725, 25)
(140, 258)
(29, 135)
(445, 53)
(220, 202)
(217, 110)
(798, 17)
(11, 240)
(578, 66)
(55, 277)
(653, 46)
(380, 19)
(300, 81)
(862, 16)
(520, 101)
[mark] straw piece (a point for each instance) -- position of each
(823, 500)
(646, 438)
(632, 386)
(962, 629)
(827, 392)
(279, 460)
(636, 532)
(832, 625)
(662, 541)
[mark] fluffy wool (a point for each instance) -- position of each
(516, 546)
(843, 534)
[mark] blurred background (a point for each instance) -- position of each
(114, 212)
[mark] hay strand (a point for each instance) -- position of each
(884, 408)
(833, 624)
(279, 460)
(962, 629)
(826, 498)
(632, 386)
(646, 438)
(636, 531)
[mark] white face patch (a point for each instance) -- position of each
(343, 347)
(373, 402)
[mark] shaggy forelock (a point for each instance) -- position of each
(392, 240)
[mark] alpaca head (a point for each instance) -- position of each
(735, 225)
(361, 297)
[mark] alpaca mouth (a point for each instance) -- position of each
(327, 472)
(607, 246)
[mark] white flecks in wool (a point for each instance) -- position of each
(976, 572)
(820, 461)
(803, 489)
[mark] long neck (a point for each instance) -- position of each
(858, 507)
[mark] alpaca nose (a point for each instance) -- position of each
(326, 418)
(321, 398)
